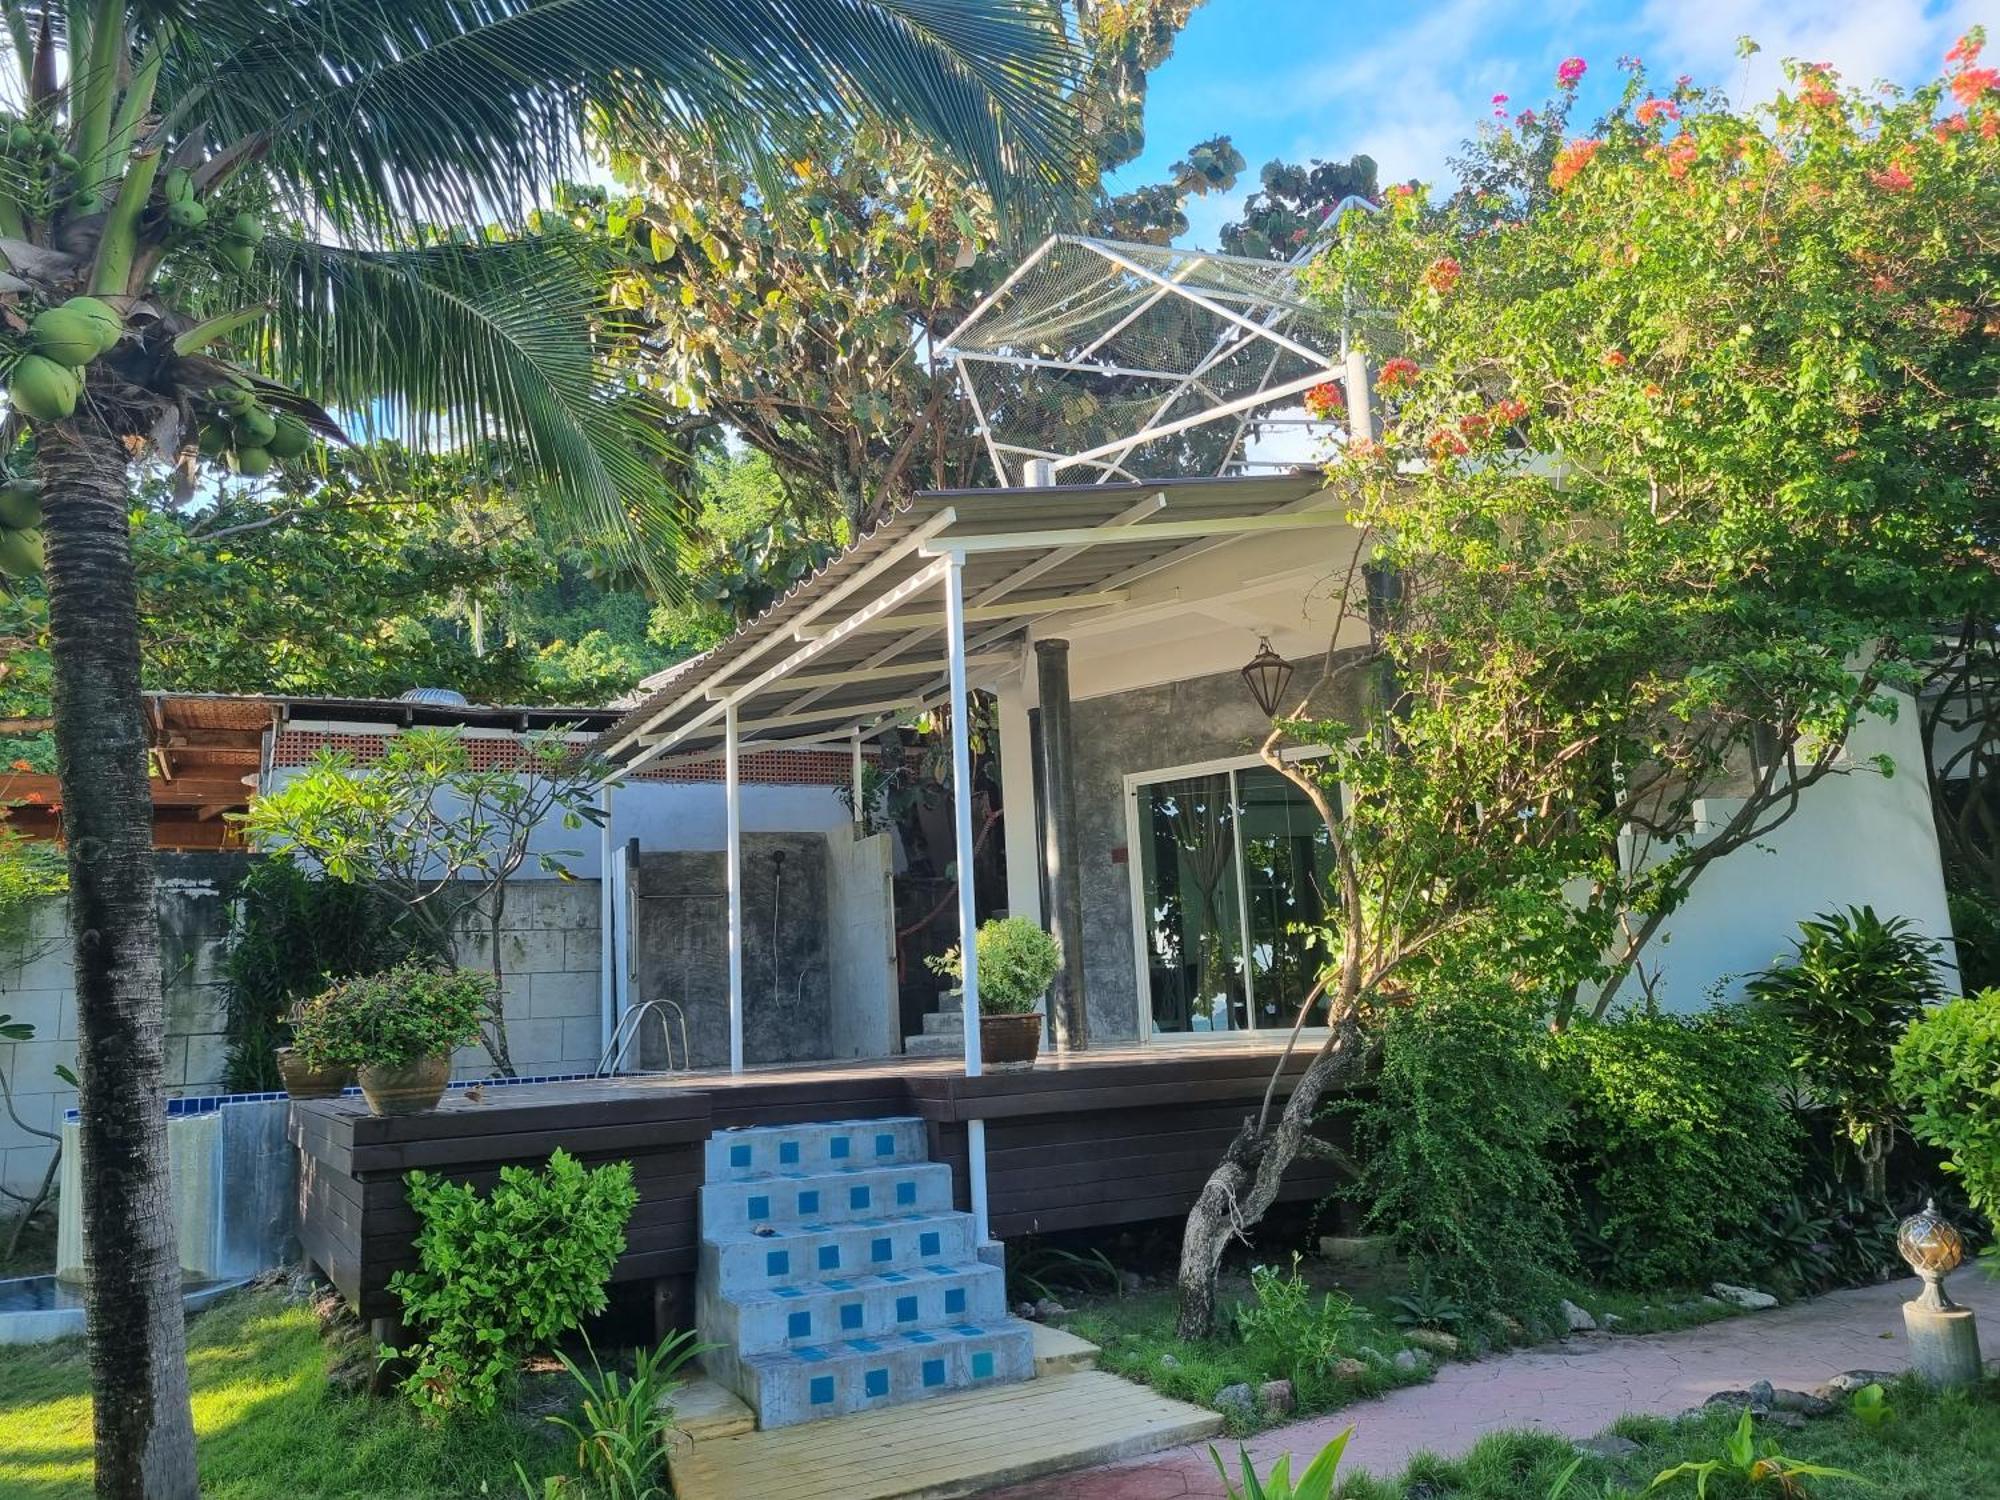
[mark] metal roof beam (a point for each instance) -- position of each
(1195, 527)
(858, 674)
(1003, 611)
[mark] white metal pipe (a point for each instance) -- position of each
(732, 792)
(968, 909)
(859, 785)
(607, 925)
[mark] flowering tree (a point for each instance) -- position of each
(1686, 448)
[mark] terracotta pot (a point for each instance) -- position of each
(1010, 1041)
(409, 1090)
(304, 1081)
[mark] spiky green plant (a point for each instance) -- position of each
(229, 229)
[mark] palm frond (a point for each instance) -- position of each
(375, 115)
(482, 343)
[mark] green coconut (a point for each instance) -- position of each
(20, 552)
(178, 185)
(110, 327)
(292, 437)
(42, 389)
(237, 255)
(214, 439)
(255, 427)
(246, 228)
(254, 461)
(68, 338)
(20, 504)
(21, 138)
(187, 214)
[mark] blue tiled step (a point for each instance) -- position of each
(788, 1199)
(764, 1150)
(819, 1312)
(736, 1261)
(829, 1380)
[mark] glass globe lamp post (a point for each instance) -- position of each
(1944, 1338)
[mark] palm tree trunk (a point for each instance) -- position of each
(138, 1337)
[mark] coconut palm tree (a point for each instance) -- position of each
(147, 314)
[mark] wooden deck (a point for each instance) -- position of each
(1090, 1140)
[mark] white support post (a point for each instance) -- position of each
(860, 781)
(968, 909)
(607, 926)
(732, 792)
(1018, 823)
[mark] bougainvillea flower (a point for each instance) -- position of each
(1398, 374)
(1569, 73)
(1965, 49)
(1655, 110)
(1443, 274)
(1325, 400)
(1970, 86)
(1891, 180)
(1571, 160)
(1614, 359)
(1509, 409)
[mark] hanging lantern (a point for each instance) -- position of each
(1267, 676)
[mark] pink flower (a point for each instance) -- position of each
(1442, 274)
(1655, 110)
(1526, 117)
(1891, 180)
(1969, 85)
(1570, 72)
(1509, 409)
(1966, 49)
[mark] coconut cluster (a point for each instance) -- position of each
(233, 240)
(20, 528)
(250, 434)
(46, 379)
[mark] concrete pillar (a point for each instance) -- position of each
(1068, 1012)
(1944, 1344)
(1019, 825)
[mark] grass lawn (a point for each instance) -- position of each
(266, 1423)
(1934, 1446)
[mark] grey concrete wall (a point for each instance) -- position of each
(1121, 734)
(861, 946)
(681, 927)
(549, 951)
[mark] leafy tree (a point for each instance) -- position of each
(1683, 453)
(151, 142)
(435, 834)
(1294, 203)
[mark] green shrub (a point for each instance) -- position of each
(1295, 1333)
(291, 934)
(1853, 982)
(1016, 962)
(1680, 1141)
(1947, 1070)
(1458, 1143)
(502, 1275)
(393, 1018)
(1975, 936)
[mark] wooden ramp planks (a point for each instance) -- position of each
(956, 1445)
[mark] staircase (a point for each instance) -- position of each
(943, 1034)
(836, 1277)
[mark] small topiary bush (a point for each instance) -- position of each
(501, 1275)
(1016, 962)
(392, 1019)
(1458, 1142)
(1947, 1070)
(1680, 1141)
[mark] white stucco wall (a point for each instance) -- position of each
(1857, 839)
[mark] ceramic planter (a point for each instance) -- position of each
(410, 1089)
(305, 1081)
(1010, 1041)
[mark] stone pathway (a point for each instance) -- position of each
(1576, 1388)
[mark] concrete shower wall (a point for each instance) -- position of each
(681, 927)
(861, 956)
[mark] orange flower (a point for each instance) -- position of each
(1614, 359)
(1397, 374)
(1681, 155)
(1325, 400)
(1445, 443)
(1443, 274)
(1972, 84)
(1655, 110)
(1509, 409)
(1966, 49)
(1891, 179)
(22, 765)
(1653, 392)
(1571, 160)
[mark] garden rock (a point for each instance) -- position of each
(1579, 1321)
(1849, 1381)
(1410, 1361)
(1235, 1401)
(1748, 1298)
(1433, 1339)
(1506, 1326)
(1024, 1309)
(1804, 1404)
(1609, 1446)
(1277, 1396)
(1168, 1362)
(1349, 1369)
(1048, 1307)
(1609, 1321)
(1132, 1281)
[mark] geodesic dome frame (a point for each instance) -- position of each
(1107, 360)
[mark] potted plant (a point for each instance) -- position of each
(1016, 962)
(307, 1079)
(396, 1029)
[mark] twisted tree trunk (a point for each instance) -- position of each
(137, 1334)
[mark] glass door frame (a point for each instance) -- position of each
(1134, 783)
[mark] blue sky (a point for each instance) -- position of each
(1406, 80)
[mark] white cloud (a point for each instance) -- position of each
(1902, 41)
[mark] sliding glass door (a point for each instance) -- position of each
(1231, 866)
